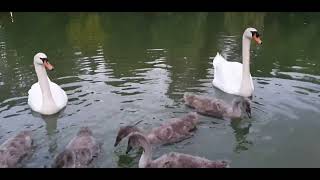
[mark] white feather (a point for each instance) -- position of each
(228, 75)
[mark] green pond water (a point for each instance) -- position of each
(120, 68)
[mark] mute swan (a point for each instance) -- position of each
(45, 97)
(170, 160)
(175, 130)
(234, 77)
(79, 152)
(217, 107)
(15, 149)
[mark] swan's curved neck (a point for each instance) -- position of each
(245, 83)
(146, 156)
(47, 99)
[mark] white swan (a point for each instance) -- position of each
(234, 77)
(45, 97)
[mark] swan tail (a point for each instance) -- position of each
(217, 60)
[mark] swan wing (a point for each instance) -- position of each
(59, 95)
(35, 97)
(227, 75)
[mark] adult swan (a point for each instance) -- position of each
(234, 77)
(45, 97)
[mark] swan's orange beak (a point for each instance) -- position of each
(48, 65)
(257, 39)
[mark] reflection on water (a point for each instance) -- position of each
(51, 128)
(120, 68)
(128, 160)
(241, 131)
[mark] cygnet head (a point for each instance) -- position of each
(242, 104)
(40, 59)
(124, 132)
(136, 140)
(192, 116)
(26, 135)
(252, 33)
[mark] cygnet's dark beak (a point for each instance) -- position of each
(248, 110)
(116, 143)
(129, 148)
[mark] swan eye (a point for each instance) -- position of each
(255, 33)
(44, 59)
